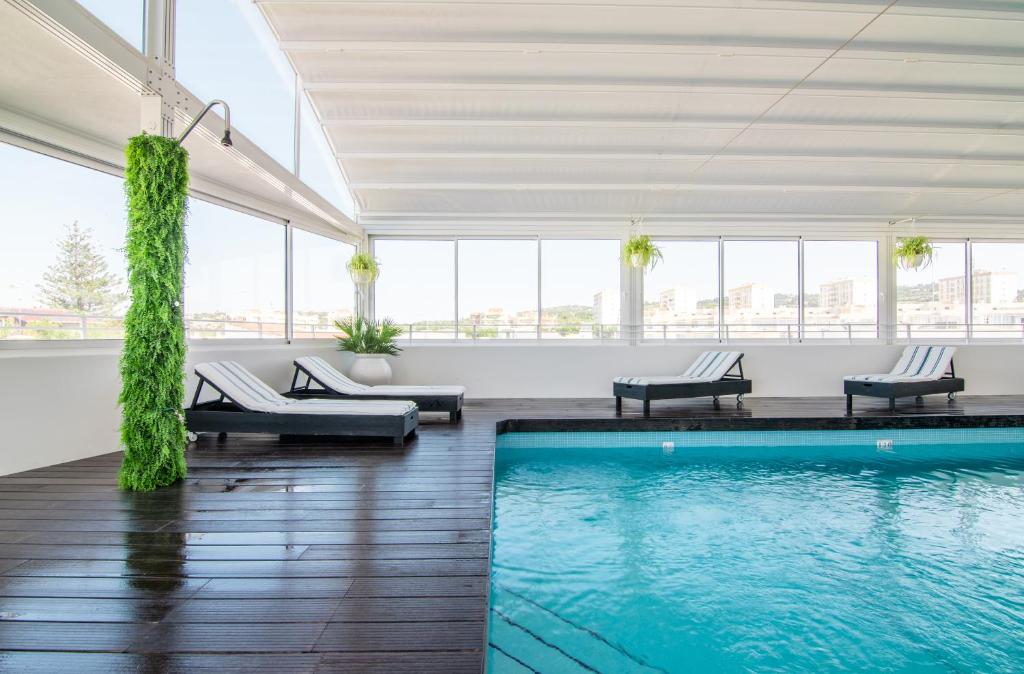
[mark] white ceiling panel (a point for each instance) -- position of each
(568, 108)
(553, 106)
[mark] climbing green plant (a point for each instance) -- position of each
(153, 361)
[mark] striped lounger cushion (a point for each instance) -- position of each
(324, 373)
(710, 366)
(918, 363)
(250, 393)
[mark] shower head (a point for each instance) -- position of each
(226, 138)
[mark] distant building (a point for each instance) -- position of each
(678, 300)
(988, 287)
(607, 307)
(751, 297)
(845, 293)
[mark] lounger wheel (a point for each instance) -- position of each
(951, 396)
(739, 400)
(716, 403)
(919, 400)
(192, 437)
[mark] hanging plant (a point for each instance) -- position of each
(153, 360)
(913, 252)
(363, 269)
(641, 252)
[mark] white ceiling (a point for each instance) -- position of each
(671, 108)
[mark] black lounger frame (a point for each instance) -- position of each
(731, 384)
(427, 402)
(225, 416)
(949, 384)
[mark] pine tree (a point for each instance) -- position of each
(79, 280)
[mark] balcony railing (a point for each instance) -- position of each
(37, 325)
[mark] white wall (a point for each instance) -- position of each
(61, 404)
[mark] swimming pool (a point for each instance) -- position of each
(812, 551)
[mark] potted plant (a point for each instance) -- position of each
(363, 269)
(641, 252)
(913, 252)
(371, 342)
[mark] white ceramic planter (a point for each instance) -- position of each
(371, 369)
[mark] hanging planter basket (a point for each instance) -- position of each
(913, 253)
(641, 253)
(363, 269)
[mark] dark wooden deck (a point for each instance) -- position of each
(287, 555)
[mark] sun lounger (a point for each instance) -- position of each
(712, 374)
(920, 371)
(247, 405)
(324, 381)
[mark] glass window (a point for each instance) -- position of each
(124, 17)
(234, 276)
(997, 290)
(226, 50)
(580, 288)
(930, 301)
(416, 287)
(681, 292)
(62, 266)
(318, 165)
(840, 289)
(322, 290)
(761, 293)
(498, 289)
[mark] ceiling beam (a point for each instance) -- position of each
(958, 160)
(979, 54)
(955, 8)
(707, 124)
(972, 94)
(671, 187)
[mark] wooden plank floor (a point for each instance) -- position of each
(284, 555)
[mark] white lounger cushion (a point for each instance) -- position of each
(248, 392)
(918, 363)
(710, 366)
(324, 373)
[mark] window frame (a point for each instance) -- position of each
(879, 276)
(641, 292)
(896, 328)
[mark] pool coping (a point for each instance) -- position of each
(710, 423)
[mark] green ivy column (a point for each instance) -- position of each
(153, 360)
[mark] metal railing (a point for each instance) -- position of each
(39, 325)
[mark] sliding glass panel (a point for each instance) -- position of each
(234, 277)
(226, 50)
(416, 287)
(997, 290)
(930, 301)
(323, 292)
(761, 290)
(124, 17)
(62, 269)
(840, 289)
(497, 289)
(681, 292)
(318, 165)
(580, 289)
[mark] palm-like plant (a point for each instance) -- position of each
(360, 335)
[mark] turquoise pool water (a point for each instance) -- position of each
(759, 552)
